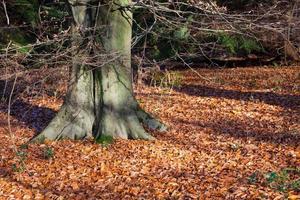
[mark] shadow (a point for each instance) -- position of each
(271, 98)
(257, 129)
(246, 130)
(6, 89)
(34, 117)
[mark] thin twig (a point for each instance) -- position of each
(5, 11)
(189, 66)
(6, 80)
(12, 135)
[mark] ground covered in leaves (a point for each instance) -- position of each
(233, 134)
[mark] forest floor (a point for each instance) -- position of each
(233, 134)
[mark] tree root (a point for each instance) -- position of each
(124, 125)
(67, 125)
(149, 121)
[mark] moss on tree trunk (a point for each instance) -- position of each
(100, 101)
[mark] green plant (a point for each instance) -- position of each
(285, 180)
(163, 41)
(54, 12)
(24, 146)
(28, 9)
(182, 33)
(17, 167)
(48, 153)
(253, 178)
(238, 44)
(277, 180)
(295, 185)
(229, 42)
(22, 155)
(20, 165)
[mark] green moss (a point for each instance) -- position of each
(105, 140)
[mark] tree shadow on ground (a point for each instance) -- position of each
(242, 130)
(271, 98)
(257, 129)
(35, 117)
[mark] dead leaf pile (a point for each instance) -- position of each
(230, 136)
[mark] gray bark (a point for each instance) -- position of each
(100, 100)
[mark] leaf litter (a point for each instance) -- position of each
(235, 136)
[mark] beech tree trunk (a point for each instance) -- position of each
(100, 100)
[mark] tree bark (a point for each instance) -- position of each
(100, 100)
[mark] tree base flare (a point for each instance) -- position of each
(69, 124)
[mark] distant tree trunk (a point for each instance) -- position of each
(100, 100)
